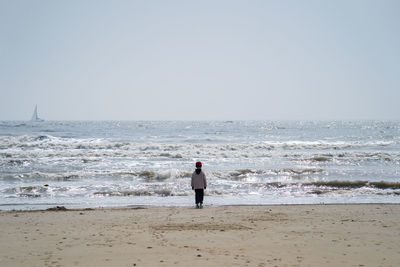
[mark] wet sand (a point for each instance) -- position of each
(284, 235)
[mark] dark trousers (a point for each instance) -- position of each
(199, 195)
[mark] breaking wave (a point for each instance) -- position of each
(341, 184)
(268, 162)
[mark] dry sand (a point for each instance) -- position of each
(293, 235)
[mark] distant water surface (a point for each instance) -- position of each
(118, 163)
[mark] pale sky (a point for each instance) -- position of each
(200, 60)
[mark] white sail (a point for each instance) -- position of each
(35, 116)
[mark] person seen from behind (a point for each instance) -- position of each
(199, 183)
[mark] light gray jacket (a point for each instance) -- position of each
(199, 180)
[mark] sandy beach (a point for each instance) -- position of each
(284, 235)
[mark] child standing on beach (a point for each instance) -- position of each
(199, 183)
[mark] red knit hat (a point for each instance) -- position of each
(198, 164)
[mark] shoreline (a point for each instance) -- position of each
(229, 235)
(63, 208)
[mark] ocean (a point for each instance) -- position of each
(84, 164)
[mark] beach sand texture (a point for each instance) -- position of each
(284, 235)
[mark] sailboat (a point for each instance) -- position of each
(35, 115)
